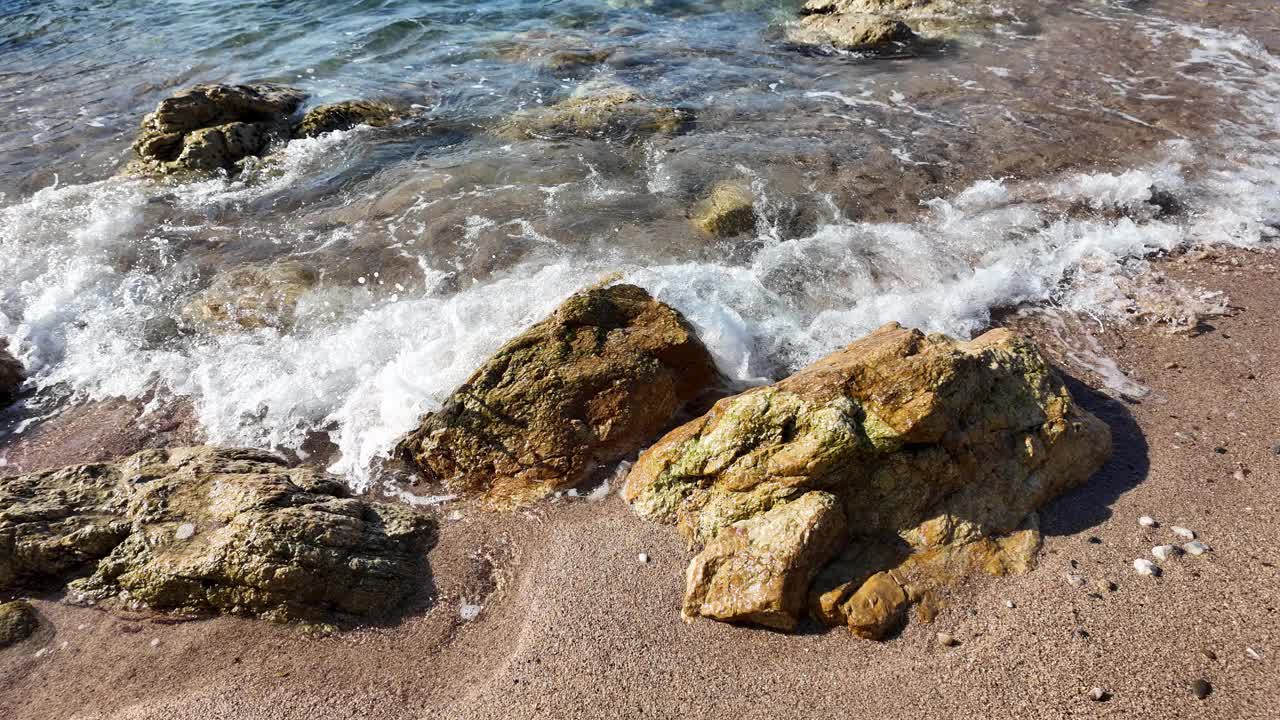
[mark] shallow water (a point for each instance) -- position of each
(1033, 157)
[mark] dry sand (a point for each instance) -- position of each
(573, 626)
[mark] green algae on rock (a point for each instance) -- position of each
(204, 530)
(603, 375)
(929, 443)
(210, 128)
(17, 622)
(344, 116)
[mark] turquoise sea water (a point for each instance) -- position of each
(1017, 160)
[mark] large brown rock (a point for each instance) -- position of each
(209, 128)
(201, 530)
(17, 622)
(596, 110)
(592, 383)
(11, 376)
(929, 443)
(344, 116)
(853, 31)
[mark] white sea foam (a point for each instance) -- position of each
(365, 376)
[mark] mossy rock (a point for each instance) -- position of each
(18, 621)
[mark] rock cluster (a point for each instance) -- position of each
(862, 483)
(11, 376)
(603, 375)
(202, 530)
(211, 128)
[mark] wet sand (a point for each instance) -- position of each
(573, 626)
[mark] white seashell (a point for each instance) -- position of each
(643, 558)
(1184, 533)
(185, 531)
(1147, 521)
(1195, 547)
(1146, 567)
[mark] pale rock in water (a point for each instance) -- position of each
(728, 210)
(908, 460)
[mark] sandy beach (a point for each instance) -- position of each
(572, 625)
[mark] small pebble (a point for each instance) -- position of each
(1146, 567)
(1010, 604)
(1171, 366)
(946, 640)
(1239, 475)
(1184, 533)
(1105, 585)
(1147, 521)
(1209, 653)
(1195, 547)
(1095, 540)
(1075, 580)
(1164, 552)
(1097, 694)
(1252, 654)
(1201, 689)
(643, 558)
(155, 642)
(185, 531)
(1220, 450)
(1275, 449)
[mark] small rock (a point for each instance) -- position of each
(642, 558)
(1146, 567)
(1095, 540)
(1220, 450)
(185, 531)
(1147, 521)
(1171, 366)
(17, 622)
(1076, 581)
(1275, 449)
(1252, 654)
(1097, 694)
(1210, 654)
(1165, 552)
(1184, 533)
(155, 642)
(1105, 585)
(1201, 689)
(1240, 474)
(1195, 547)
(1010, 604)
(946, 640)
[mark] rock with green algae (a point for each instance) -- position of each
(603, 375)
(728, 210)
(344, 116)
(596, 110)
(17, 622)
(928, 442)
(211, 128)
(206, 530)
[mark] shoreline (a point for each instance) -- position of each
(569, 617)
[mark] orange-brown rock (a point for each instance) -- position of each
(930, 444)
(603, 375)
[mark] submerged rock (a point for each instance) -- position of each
(209, 128)
(938, 450)
(596, 110)
(344, 116)
(592, 383)
(728, 210)
(17, 622)
(12, 376)
(250, 298)
(201, 530)
(849, 32)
